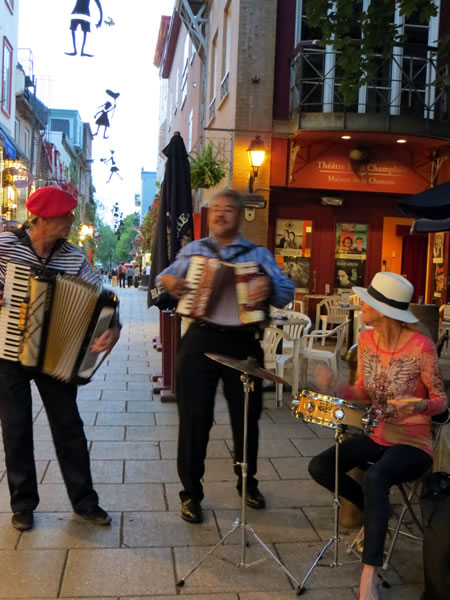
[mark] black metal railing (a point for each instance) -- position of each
(408, 82)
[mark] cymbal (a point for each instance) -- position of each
(249, 366)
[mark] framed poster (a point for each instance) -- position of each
(293, 250)
(350, 255)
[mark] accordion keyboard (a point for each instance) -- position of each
(14, 293)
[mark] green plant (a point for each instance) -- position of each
(207, 169)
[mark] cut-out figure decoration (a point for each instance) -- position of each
(114, 168)
(108, 21)
(113, 95)
(81, 18)
(103, 118)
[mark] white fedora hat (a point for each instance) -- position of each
(389, 294)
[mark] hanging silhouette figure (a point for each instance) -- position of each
(81, 18)
(114, 168)
(103, 119)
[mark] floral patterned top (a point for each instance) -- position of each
(411, 371)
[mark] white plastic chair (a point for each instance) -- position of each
(330, 358)
(273, 361)
(335, 314)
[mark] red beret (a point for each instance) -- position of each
(50, 202)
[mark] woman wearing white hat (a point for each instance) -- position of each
(398, 374)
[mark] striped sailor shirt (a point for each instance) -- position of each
(67, 258)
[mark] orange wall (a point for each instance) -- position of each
(391, 250)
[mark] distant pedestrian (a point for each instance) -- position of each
(130, 275)
(114, 276)
(122, 273)
(137, 275)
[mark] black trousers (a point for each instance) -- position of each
(391, 465)
(197, 379)
(67, 431)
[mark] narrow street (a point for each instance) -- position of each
(132, 438)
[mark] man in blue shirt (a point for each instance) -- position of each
(198, 376)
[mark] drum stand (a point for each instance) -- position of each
(336, 538)
(240, 523)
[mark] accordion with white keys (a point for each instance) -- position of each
(50, 321)
(219, 292)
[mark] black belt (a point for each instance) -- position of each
(244, 329)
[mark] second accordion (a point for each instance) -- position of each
(219, 292)
(50, 322)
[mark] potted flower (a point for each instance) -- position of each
(207, 169)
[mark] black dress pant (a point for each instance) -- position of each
(59, 400)
(389, 465)
(197, 379)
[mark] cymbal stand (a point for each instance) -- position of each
(335, 539)
(240, 523)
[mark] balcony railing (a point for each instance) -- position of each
(403, 84)
(212, 108)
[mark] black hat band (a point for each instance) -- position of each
(382, 298)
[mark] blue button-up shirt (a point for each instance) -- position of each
(282, 288)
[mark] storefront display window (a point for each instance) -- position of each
(293, 250)
(350, 255)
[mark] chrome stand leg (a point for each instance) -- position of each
(241, 523)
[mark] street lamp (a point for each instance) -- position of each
(256, 154)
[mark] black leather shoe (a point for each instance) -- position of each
(191, 511)
(96, 515)
(254, 499)
(22, 520)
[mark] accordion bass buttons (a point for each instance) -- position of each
(23, 316)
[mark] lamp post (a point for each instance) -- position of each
(256, 154)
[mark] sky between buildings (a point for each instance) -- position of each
(122, 62)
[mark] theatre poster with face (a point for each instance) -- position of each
(350, 256)
(293, 250)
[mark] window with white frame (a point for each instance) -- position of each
(184, 73)
(190, 121)
(213, 78)
(226, 50)
(7, 57)
(176, 91)
(17, 131)
(26, 141)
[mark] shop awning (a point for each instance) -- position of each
(8, 144)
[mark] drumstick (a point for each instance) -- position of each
(404, 400)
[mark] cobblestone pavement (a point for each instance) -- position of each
(132, 439)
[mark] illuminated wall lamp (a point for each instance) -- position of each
(256, 154)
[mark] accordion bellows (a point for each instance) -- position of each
(50, 322)
(219, 292)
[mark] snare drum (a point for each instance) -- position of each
(331, 412)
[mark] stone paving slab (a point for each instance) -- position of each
(103, 471)
(272, 525)
(152, 433)
(148, 529)
(220, 574)
(118, 572)
(216, 449)
(333, 594)
(124, 450)
(64, 530)
(8, 535)
(30, 574)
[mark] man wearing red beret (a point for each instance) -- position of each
(42, 242)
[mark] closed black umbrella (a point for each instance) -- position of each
(175, 227)
(431, 225)
(433, 203)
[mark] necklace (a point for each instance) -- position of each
(383, 393)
